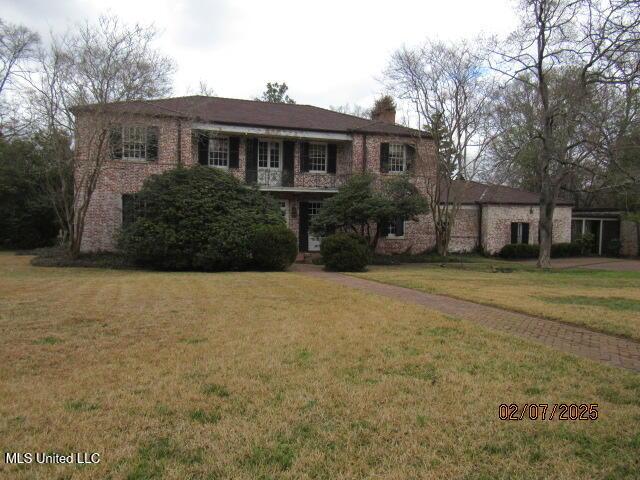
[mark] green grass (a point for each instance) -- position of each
(612, 303)
(604, 301)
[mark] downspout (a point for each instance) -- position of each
(179, 149)
(364, 153)
(480, 248)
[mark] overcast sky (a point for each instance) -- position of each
(329, 53)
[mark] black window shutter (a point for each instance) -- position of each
(383, 227)
(384, 157)
(153, 133)
(514, 232)
(288, 148)
(115, 141)
(234, 152)
(203, 149)
(399, 227)
(525, 233)
(251, 160)
(332, 154)
(410, 153)
(303, 231)
(304, 156)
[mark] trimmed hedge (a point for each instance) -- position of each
(559, 250)
(197, 218)
(273, 247)
(519, 250)
(342, 252)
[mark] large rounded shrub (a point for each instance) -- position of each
(196, 218)
(344, 252)
(273, 247)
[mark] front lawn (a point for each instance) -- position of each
(278, 375)
(601, 300)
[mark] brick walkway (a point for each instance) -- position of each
(601, 347)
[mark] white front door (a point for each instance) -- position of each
(314, 242)
(270, 163)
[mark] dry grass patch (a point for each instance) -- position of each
(604, 301)
(291, 377)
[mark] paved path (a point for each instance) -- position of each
(601, 347)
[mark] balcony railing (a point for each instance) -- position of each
(266, 178)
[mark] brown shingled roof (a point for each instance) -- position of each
(475, 192)
(231, 111)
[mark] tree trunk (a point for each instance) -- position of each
(545, 226)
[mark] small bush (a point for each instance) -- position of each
(586, 243)
(273, 247)
(612, 248)
(519, 250)
(343, 252)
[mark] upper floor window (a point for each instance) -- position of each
(219, 152)
(397, 158)
(318, 157)
(134, 142)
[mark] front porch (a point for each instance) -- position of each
(298, 211)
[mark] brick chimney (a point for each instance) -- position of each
(386, 116)
(384, 110)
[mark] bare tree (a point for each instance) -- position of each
(565, 51)
(355, 110)
(91, 65)
(450, 91)
(18, 46)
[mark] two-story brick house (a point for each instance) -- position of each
(300, 154)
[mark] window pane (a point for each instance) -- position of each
(134, 143)
(275, 155)
(219, 152)
(396, 157)
(263, 154)
(314, 208)
(317, 157)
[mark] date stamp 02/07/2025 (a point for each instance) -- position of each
(548, 411)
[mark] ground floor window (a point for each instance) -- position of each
(394, 229)
(519, 232)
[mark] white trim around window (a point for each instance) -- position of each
(397, 158)
(134, 142)
(318, 157)
(391, 231)
(218, 154)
